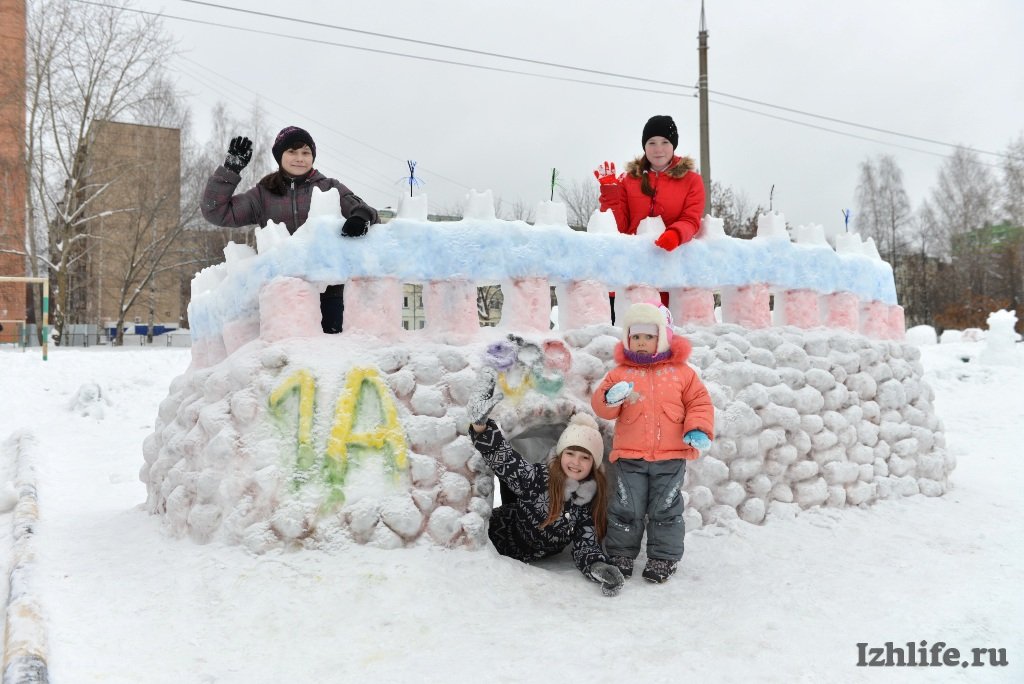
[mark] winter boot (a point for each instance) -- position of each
(659, 570)
(624, 564)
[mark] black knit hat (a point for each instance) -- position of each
(292, 138)
(662, 125)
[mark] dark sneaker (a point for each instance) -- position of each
(624, 564)
(659, 570)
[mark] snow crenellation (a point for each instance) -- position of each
(812, 283)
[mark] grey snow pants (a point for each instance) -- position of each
(646, 494)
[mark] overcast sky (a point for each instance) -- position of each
(944, 70)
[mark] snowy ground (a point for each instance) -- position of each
(784, 602)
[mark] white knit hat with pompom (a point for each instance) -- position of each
(582, 432)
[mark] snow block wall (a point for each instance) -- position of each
(279, 447)
(820, 418)
(278, 436)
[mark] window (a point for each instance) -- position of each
(405, 324)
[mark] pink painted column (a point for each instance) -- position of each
(289, 307)
(747, 305)
(897, 323)
(526, 305)
(373, 306)
(801, 308)
(692, 305)
(582, 303)
(842, 310)
(632, 294)
(449, 307)
(208, 352)
(874, 320)
(238, 332)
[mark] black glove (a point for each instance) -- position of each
(609, 576)
(239, 154)
(355, 226)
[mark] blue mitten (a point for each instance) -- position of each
(617, 393)
(698, 440)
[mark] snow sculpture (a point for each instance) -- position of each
(1001, 340)
(280, 436)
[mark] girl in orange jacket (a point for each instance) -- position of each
(664, 417)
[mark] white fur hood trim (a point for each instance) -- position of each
(580, 492)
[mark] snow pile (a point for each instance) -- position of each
(324, 441)
(921, 335)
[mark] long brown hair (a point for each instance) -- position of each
(645, 183)
(556, 495)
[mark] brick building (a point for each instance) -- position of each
(12, 167)
(139, 210)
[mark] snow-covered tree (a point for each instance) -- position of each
(84, 63)
(883, 207)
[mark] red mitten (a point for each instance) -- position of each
(668, 240)
(605, 174)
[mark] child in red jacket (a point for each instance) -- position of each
(664, 417)
(659, 183)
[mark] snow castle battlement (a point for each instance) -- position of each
(279, 436)
(810, 283)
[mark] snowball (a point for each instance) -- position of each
(860, 492)
(401, 515)
(752, 510)
(444, 525)
(428, 401)
(819, 379)
(455, 490)
(737, 419)
(803, 470)
(730, 494)
(811, 492)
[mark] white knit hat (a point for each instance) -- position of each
(582, 432)
(642, 314)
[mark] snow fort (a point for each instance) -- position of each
(278, 435)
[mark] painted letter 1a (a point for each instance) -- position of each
(364, 403)
(303, 383)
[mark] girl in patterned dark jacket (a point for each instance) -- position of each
(556, 504)
(284, 197)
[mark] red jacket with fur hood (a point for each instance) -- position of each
(678, 197)
(672, 401)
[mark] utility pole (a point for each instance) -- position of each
(705, 150)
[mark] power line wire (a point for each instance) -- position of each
(844, 133)
(544, 76)
(851, 123)
(428, 43)
(393, 53)
(584, 70)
